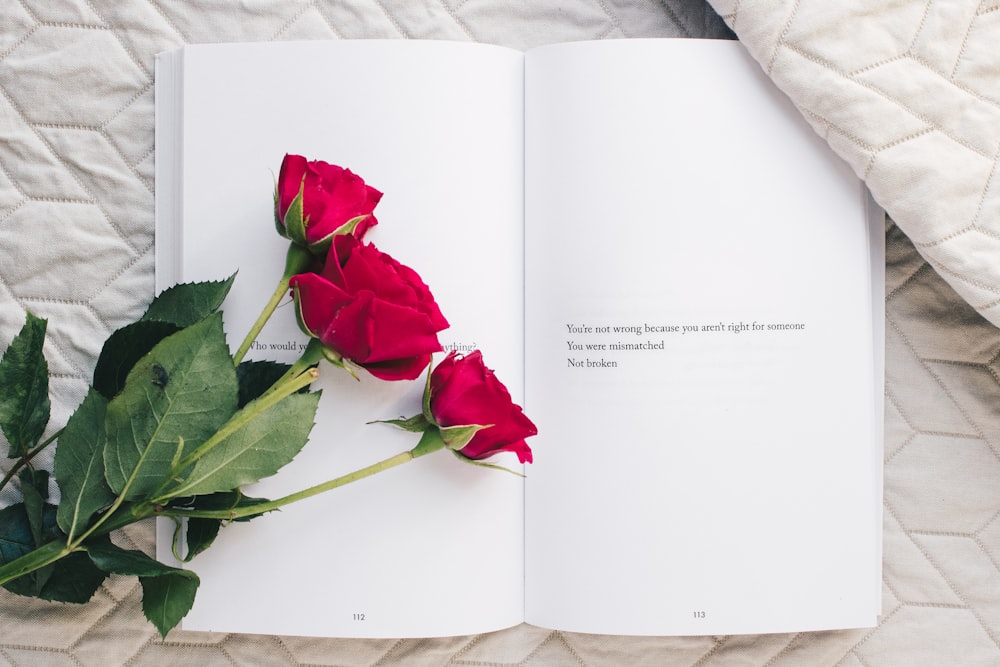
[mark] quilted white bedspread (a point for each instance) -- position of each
(906, 91)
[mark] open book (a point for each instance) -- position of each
(669, 270)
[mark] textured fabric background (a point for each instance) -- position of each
(908, 92)
(905, 90)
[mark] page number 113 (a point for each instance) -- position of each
(698, 614)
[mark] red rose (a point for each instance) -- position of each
(313, 201)
(366, 307)
(464, 392)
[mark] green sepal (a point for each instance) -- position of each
(187, 303)
(457, 437)
(297, 260)
(279, 226)
(425, 403)
(167, 592)
(322, 246)
(352, 224)
(430, 442)
(336, 359)
(295, 224)
(24, 388)
(484, 464)
(415, 424)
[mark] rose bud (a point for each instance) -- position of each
(314, 201)
(369, 309)
(464, 392)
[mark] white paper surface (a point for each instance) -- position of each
(720, 482)
(724, 480)
(437, 127)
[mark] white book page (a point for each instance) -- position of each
(698, 470)
(434, 547)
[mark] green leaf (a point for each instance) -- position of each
(181, 392)
(199, 532)
(187, 303)
(24, 388)
(35, 482)
(168, 598)
(167, 592)
(35, 490)
(15, 533)
(73, 579)
(200, 535)
(258, 448)
(79, 465)
(256, 377)
(130, 562)
(223, 500)
(123, 349)
(70, 579)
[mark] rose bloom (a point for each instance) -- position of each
(463, 391)
(370, 309)
(331, 196)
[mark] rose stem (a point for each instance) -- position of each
(297, 260)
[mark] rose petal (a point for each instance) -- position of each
(331, 197)
(371, 310)
(463, 392)
(400, 331)
(290, 175)
(318, 299)
(399, 369)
